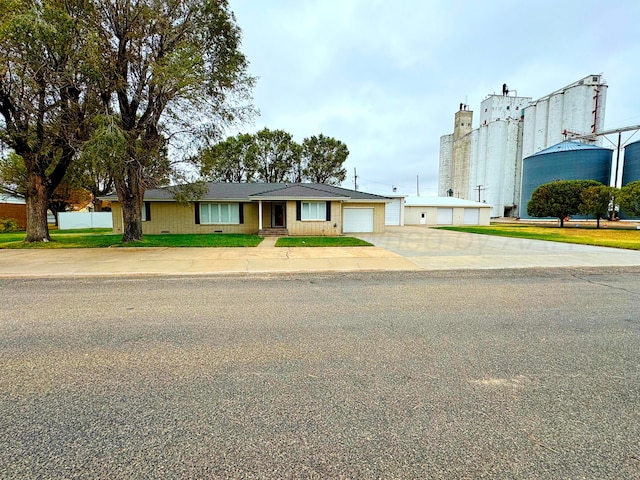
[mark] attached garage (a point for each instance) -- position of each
(357, 220)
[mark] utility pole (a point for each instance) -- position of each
(418, 185)
(479, 189)
(355, 179)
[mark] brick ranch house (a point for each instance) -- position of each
(262, 208)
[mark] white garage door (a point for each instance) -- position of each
(392, 212)
(445, 216)
(471, 216)
(357, 220)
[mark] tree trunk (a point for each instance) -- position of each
(37, 204)
(598, 221)
(130, 193)
(132, 219)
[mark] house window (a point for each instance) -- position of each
(217, 213)
(146, 211)
(314, 211)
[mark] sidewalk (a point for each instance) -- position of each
(398, 249)
(178, 261)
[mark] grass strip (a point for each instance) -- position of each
(83, 239)
(603, 237)
(321, 242)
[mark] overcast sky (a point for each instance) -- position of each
(386, 77)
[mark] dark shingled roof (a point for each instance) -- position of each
(257, 191)
(297, 190)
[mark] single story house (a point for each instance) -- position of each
(263, 208)
(445, 211)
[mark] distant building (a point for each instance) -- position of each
(15, 208)
(444, 211)
(485, 164)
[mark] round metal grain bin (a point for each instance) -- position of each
(631, 172)
(564, 161)
(631, 168)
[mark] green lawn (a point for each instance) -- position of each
(321, 242)
(604, 237)
(100, 238)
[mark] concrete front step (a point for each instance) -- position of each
(273, 232)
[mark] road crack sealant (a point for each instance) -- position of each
(603, 284)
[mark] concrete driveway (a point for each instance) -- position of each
(432, 249)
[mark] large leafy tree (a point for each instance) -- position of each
(323, 159)
(229, 161)
(274, 154)
(597, 201)
(559, 199)
(630, 199)
(46, 52)
(170, 66)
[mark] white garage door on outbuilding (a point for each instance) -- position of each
(357, 220)
(471, 216)
(445, 216)
(393, 212)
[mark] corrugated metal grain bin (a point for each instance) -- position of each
(631, 172)
(564, 161)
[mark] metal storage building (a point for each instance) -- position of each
(564, 161)
(445, 211)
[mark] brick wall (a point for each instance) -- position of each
(16, 211)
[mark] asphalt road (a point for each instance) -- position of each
(481, 374)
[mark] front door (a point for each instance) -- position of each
(278, 211)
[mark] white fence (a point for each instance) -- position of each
(71, 220)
